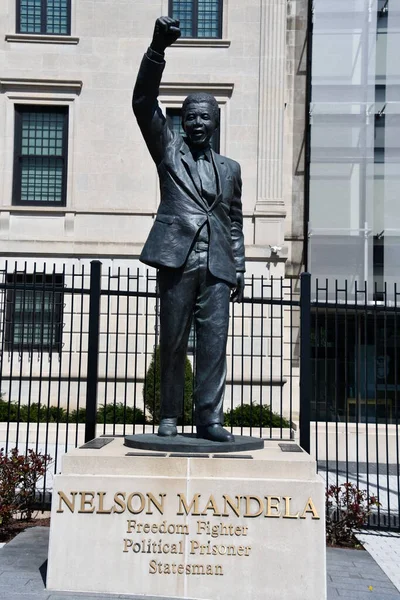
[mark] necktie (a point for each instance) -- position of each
(206, 173)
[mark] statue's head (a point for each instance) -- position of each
(200, 118)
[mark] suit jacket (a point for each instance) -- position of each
(183, 211)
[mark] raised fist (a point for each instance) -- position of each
(166, 32)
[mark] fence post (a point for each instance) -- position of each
(93, 350)
(305, 360)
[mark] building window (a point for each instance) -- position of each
(40, 156)
(44, 16)
(174, 118)
(34, 311)
(198, 18)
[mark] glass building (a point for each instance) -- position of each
(354, 208)
(354, 193)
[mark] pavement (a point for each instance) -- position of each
(352, 574)
(384, 547)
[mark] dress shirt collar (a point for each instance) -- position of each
(203, 153)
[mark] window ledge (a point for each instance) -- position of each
(201, 43)
(22, 208)
(40, 85)
(177, 91)
(41, 38)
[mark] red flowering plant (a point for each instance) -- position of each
(19, 475)
(347, 511)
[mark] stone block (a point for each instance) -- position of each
(244, 526)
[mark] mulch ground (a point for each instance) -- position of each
(19, 526)
(352, 544)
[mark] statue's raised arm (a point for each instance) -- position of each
(144, 102)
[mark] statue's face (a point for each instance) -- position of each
(199, 124)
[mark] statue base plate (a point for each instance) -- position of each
(190, 444)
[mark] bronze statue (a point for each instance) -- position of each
(196, 242)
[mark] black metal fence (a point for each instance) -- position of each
(79, 359)
(78, 346)
(355, 396)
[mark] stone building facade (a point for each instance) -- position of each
(100, 193)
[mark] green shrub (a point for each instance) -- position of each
(8, 411)
(120, 414)
(247, 415)
(56, 414)
(42, 414)
(33, 413)
(152, 395)
(77, 416)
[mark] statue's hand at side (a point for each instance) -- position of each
(166, 32)
(238, 291)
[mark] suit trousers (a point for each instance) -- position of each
(185, 292)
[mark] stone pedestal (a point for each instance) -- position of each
(244, 526)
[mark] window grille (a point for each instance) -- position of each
(34, 311)
(44, 16)
(40, 161)
(198, 18)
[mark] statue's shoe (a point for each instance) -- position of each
(214, 432)
(167, 427)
